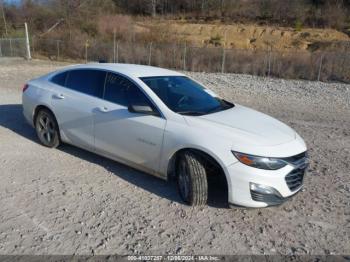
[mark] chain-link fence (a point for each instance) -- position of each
(12, 47)
(321, 66)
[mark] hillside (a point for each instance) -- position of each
(239, 24)
(250, 36)
(299, 39)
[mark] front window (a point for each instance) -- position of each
(185, 96)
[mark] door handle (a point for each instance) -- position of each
(60, 96)
(103, 109)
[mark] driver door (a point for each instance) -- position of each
(132, 138)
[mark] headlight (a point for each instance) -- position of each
(260, 162)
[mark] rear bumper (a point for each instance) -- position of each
(28, 108)
(252, 187)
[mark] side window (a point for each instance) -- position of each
(60, 79)
(138, 98)
(116, 89)
(86, 81)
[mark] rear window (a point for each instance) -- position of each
(87, 81)
(60, 79)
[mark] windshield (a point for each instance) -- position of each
(185, 96)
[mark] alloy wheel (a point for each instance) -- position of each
(46, 128)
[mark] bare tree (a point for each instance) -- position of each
(154, 7)
(3, 16)
(53, 27)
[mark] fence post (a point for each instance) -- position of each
(114, 45)
(174, 54)
(33, 45)
(269, 63)
(224, 54)
(86, 50)
(342, 64)
(223, 60)
(28, 55)
(58, 49)
(185, 51)
(320, 68)
(150, 54)
(11, 50)
(117, 51)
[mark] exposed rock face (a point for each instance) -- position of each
(257, 37)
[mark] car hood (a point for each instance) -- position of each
(245, 125)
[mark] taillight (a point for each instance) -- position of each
(25, 87)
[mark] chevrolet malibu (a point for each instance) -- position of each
(168, 125)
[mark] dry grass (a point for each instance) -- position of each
(291, 65)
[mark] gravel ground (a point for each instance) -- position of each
(69, 201)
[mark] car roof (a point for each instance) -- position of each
(128, 69)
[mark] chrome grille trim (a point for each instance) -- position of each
(298, 161)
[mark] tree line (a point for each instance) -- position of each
(310, 13)
(313, 13)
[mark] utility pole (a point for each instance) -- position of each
(28, 55)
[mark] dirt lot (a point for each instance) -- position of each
(69, 201)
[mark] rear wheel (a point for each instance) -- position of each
(47, 129)
(192, 179)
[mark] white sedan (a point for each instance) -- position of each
(166, 124)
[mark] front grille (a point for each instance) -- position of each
(297, 159)
(267, 198)
(295, 178)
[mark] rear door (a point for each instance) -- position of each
(74, 101)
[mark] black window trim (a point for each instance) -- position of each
(160, 113)
(58, 73)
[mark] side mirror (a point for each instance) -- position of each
(144, 109)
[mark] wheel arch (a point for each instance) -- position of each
(217, 171)
(205, 155)
(40, 107)
(44, 106)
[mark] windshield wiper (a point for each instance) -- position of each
(191, 113)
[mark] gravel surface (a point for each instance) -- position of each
(70, 201)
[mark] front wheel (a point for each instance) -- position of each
(47, 129)
(192, 179)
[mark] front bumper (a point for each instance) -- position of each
(280, 185)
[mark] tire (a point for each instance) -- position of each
(47, 129)
(192, 179)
